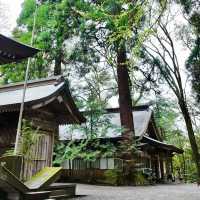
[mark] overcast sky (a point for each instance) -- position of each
(12, 9)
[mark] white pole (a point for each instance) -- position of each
(19, 126)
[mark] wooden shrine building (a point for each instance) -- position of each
(48, 104)
(153, 153)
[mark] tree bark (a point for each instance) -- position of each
(125, 103)
(191, 136)
(58, 62)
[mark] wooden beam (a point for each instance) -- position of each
(64, 100)
(42, 104)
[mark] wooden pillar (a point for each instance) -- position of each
(156, 167)
(164, 168)
(161, 168)
(171, 163)
(150, 163)
(168, 170)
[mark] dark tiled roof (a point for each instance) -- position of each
(141, 120)
(161, 145)
(11, 94)
(142, 117)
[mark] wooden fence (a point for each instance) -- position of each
(40, 157)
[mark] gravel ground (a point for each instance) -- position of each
(157, 192)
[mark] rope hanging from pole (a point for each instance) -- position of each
(19, 126)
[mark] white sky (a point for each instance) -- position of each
(12, 8)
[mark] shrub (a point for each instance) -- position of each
(113, 177)
(139, 178)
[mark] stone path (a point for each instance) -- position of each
(158, 192)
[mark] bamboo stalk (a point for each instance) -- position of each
(19, 126)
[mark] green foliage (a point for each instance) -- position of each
(99, 28)
(90, 148)
(166, 116)
(191, 8)
(71, 151)
(118, 177)
(193, 66)
(28, 10)
(138, 178)
(29, 137)
(113, 177)
(121, 21)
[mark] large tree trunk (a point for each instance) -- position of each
(191, 136)
(58, 62)
(125, 103)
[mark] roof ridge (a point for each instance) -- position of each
(33, 83)
(141, 107)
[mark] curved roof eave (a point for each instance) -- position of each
(39, 94)
(163, 145)
(13, 51)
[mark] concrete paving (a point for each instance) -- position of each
(157, 192)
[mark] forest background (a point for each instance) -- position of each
(79, 38)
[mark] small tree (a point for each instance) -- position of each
(89, 148)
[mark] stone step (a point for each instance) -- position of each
(60, 197)
(60, 189)
(36, 195)
(54, 191)
(41, 195)
(60, 192)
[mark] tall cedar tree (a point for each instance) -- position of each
(116, 30)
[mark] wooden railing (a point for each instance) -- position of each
(80, 175)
